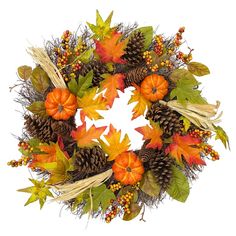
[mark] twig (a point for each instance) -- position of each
(14, 86)
(142, 214)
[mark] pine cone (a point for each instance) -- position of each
(161, 166)
(63, 128)
(47, 129)
(145, 154)
(90, 160)
(169, 120)
(98, 69)
(134, 49)
(135, 75)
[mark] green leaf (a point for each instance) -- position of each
(179, 187)
(24, 72)
(38, 108)
(198, 69)
(186, 123)
(73, 86)
(39, 192)
(148, 35)
(135, 210)
(186, 90)
(102, 28)
(40, 80)
(149, 184)
(85, 56)
(222, 136)
(84, 83)
(181, 73)
(101, 197)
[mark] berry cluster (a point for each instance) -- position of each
(115, 187)
(159, 45)
(148, 59)
(66, 55)
(121, 204)
(25, 146)
(112, 213)
(178, 37)
(23, 161)
(186, 58)
(202, 134)
(207, 150)
(167, 63)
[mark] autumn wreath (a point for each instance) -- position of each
(96, 173)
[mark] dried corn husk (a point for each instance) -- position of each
(70, 191)
(41, 57)
(202, 115)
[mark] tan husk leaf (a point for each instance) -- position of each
(41, 57)
(72, 190)
(202, 115)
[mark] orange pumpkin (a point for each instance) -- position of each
(127, 168)
(61, 104)
(154, 87)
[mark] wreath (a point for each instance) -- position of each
(92, 169)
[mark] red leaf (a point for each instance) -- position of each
(183, 147)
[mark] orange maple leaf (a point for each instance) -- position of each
(112, 83)
(48, 155)
(142, 103)
(115, 146)
(110, 49)
(85, 138)
(153, 134)
(183, 147)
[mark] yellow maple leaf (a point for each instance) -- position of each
(142, 103)
(90, 103)
(115, 146)
(85, 138)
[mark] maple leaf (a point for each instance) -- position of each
(59, 168)
(152, 133)
(183, 147)
(90, 103)
(111, 84)
(85, 138)
(101, 197)
(116, 146)
(48, 155)
(39, 191)
(102, 28)
(186, 91)
(142, 103)
(110, 49)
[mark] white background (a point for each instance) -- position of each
(210, 30)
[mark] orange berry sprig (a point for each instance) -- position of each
(159, 45)
(115, 187)
(202, 134)
(178, 37)
(23, 161)
(25, 146)
(207, 150)
(148, 59)
(122, 204)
